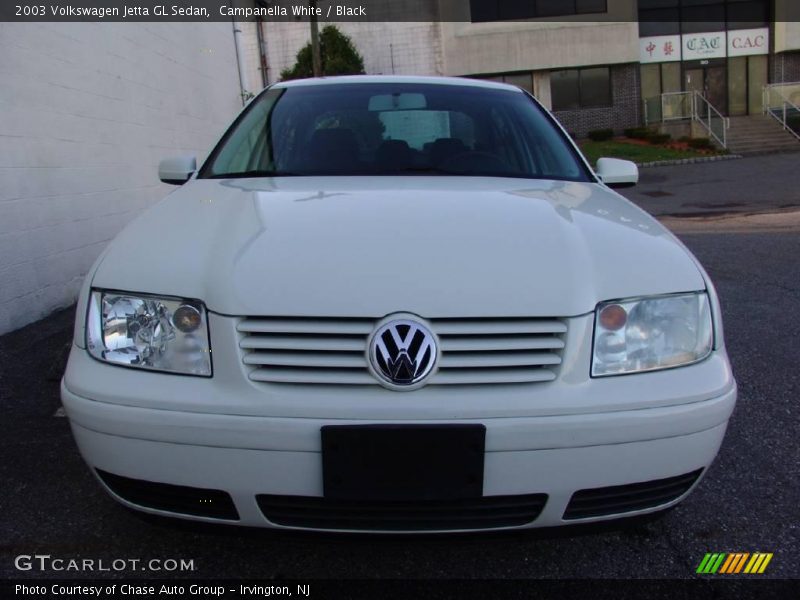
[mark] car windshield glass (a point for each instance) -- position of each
(394, 129)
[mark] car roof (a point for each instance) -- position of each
(356, 79)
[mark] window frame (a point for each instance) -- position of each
(581, 104)
(680, 7)
(490, 10)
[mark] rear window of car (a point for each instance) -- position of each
(394, 129)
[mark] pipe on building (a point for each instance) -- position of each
(262, 48)
(244, 90)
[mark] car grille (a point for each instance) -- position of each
(173, 498)
(480, 513)
(618, 499)
(333, 351)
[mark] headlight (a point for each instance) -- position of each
(651, 333)
(161, 334)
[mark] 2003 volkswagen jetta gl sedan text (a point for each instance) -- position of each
(397, 304)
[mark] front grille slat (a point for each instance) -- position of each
(489, 343)
(345, 360)
(619, 499)
(508, 326)
(486, 376)
(180, 499)
(313, 376)
(325, 513)
(288, 342)
(333, 351)
(628, 492)
(463, 360)
(312, 326)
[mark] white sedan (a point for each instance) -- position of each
(397, 304)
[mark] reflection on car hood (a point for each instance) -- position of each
(371, 246)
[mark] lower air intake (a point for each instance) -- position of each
(181, 499)
(618, 499)
(481, 513)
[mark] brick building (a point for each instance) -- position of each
(592, 62)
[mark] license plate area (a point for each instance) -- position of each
(403, 462)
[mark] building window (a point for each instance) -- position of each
(671, 17)
(572, 89)
(507, 10)
(521, 80)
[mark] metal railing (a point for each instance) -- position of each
(681, 106)
(782, 102)
(709, 117)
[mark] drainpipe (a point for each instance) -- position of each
(237, 40)
(262, 47)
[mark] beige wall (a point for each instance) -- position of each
(787, 25)
(787, 36)
(475, 48)
(483, 48)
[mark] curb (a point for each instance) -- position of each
(688, 161)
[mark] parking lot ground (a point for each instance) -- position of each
(755, 184)
(749, 501)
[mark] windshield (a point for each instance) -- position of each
(394, 129)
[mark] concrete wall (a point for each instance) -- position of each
(787, 25)
(86, 112)
(787, 36)
(483, 48)
(387, 48)
(499, 47)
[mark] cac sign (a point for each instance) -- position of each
(748, 42)
(700, 46)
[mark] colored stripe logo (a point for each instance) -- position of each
(733, 563)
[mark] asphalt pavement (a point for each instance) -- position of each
(748, 502)
(748, 185)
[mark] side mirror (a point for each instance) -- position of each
(177, 170)
(616, 173)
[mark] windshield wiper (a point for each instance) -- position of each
(252, 173)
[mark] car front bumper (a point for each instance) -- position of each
(154, 427)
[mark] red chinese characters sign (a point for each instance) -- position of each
(663, 48)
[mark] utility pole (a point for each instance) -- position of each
(316, 58)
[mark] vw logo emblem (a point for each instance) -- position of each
(402, 353)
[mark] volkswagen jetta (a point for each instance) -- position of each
(397, 304)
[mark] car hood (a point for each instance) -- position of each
(370, 246)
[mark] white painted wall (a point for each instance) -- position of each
(387, 48)
(86, 112)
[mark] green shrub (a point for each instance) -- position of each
(337, 51)
(601, 135)
(637, 133)
(700, 143)
(658, 139)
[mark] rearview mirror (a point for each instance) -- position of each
(404, 101)
(177, 170)
(616, 173)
